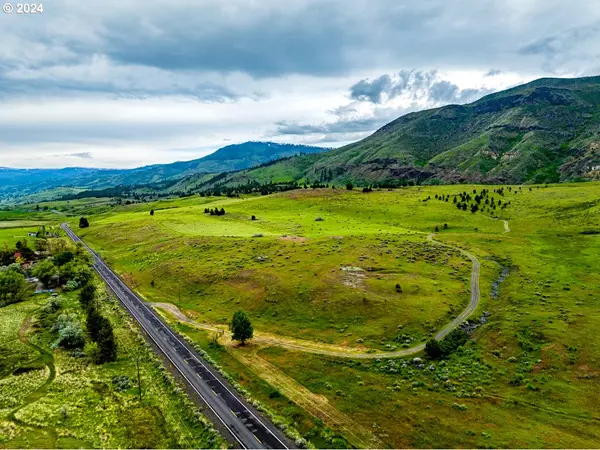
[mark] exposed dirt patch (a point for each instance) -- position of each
(353, 277)
(293, 238)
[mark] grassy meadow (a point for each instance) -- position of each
(322, 265)
(52, 398)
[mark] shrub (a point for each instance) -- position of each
(274, 394)
(121, 383)
(71, 285)
(70, 336)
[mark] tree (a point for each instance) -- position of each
(437, 228)
(87, 294)
(12, 287)
(349, 186)
(63, 258)
(83, 223)
(398, 288)
(445, 226)
(433, 349)
(83, 275)
(107, 344)
(253, 218)
(151, 212)
(41, 245)
(93, 321)
(241, 328)
(45, 271)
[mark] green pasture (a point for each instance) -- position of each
(527, 379)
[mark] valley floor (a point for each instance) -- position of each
(325, 273)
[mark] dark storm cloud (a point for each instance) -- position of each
(341, 126)
(418, 85)
(211, 51)
(371, 90)
(272, 38)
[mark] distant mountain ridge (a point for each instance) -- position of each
(543, 131)
(19, 182)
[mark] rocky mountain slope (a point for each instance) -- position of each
(543, 131)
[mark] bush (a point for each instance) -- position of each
(121, 383)
(70, 336)
(71, 285)
(451, 343)
(274, 394)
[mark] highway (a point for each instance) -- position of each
(244, 424)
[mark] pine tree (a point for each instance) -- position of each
(107, 344)
(87, 294)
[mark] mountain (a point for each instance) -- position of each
(19, 182)
(543, 131)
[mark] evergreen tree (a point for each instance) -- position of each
(93, 321)
(433, 349)
(151, 212)
(87, 294)
(83, 223)
(107, 344)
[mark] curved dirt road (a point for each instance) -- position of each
(337, 350)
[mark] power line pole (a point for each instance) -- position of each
(137, 363)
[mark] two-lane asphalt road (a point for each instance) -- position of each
(245, 425)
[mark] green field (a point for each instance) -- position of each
(528, 376)
(53, 399)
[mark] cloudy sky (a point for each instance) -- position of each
(123, 83)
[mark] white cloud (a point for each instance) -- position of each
(131, 82)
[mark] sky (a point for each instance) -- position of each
(125, 83)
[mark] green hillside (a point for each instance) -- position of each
(543, 131)
(16, 183)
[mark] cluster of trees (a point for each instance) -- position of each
(250, 188)
(70, 335)
(56, 263)
(215, 212)
(437, 228)
(479, 201)
(103, 346)
(68, 268)
(325, 175)
(440, 349)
